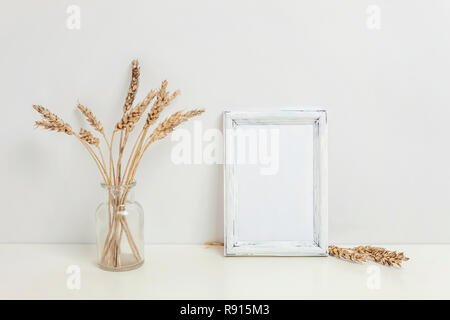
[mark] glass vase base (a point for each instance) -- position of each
(123, 267)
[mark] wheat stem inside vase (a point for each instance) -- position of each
(113, 239)
(109, 239)
(112, 217)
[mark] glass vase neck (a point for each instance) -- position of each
(118, 187)
(125, 191)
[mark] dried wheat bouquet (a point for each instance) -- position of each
(114, 170)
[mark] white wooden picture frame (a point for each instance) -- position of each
(285, 212)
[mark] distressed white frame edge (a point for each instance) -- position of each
(318, 117)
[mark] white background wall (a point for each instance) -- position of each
(387, 93)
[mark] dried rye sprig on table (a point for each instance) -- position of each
(346, 254)
(378, 255)
(381, 255)
(358, 254)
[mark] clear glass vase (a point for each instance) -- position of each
(120, 229)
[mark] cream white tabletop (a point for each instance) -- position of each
(68, 271)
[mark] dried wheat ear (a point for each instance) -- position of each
(358, 254)
(368, 253)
